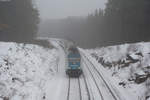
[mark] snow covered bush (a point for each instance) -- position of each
(129, 64)
(24, 71)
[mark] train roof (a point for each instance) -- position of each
(73, 49)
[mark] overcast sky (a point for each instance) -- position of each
(50, 9)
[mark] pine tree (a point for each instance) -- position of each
(128, 20)
(21, 18)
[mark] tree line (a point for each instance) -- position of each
(121, 21)
(18, 20)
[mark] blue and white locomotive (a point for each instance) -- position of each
(74, 62)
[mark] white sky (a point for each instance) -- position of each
(63, 8)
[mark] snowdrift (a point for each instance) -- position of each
(129, 66)
(25, 70)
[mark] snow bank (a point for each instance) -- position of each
(25, 69)
(129, 65)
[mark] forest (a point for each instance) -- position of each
(122, 21)
(19, 20)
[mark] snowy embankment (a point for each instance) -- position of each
(25, 70)
(128, 66)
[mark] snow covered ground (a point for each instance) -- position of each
(31, 72)
(128, 66)
(25, 71)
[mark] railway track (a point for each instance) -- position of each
(91, 85)
(106, 92)
(86, 86)
(96, 83)
(78, 89)
(74, 89)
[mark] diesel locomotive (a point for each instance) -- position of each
(74, 62)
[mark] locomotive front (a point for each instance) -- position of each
(74, 62)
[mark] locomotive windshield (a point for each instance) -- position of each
(73, 53)
(73, 50)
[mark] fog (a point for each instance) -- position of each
(56, 9)
(56, 16)
(90, 23)
(93, 23)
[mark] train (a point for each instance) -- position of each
(74, 62)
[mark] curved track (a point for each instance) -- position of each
(86, 86)
(105, 90)
(91, 85)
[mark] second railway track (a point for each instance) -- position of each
(106, 91)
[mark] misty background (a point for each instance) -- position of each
(90, 23)
(67, 18)
(58, 9)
